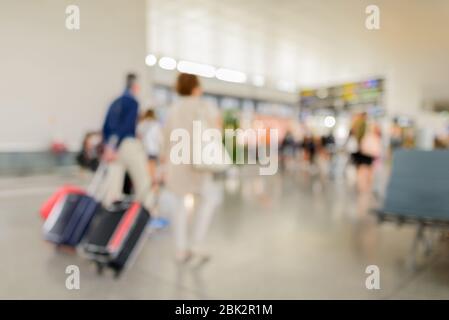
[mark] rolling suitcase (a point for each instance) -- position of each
(48, 205)
(72, 213)
(115, 234)
(69, 219)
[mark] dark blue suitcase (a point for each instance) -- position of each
(70, 219)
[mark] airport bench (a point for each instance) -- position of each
(418, 193)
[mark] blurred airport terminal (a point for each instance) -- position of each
(349, 101)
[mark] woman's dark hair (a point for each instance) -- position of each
(149, 114)
(186, 83)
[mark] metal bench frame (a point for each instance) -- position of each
(420, 238)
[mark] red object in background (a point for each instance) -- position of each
(55, 197)
(266, 122)
(58, 147)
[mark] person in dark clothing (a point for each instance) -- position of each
(328, 152)
(122, 150)
(287, 149)
(88, 157)
(122, 116)
(309, 147)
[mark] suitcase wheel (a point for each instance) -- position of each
(100, 268)
(117, 274)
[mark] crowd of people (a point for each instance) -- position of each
(135, 148)
(363, 149)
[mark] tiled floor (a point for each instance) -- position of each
(291, 236)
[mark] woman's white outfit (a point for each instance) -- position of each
(183, 181)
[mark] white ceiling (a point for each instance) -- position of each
(307, 42)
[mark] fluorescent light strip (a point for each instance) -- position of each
(231, 75)
(167, 63)
(207, 71)
(202, 70)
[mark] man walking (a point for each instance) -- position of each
(123, 151)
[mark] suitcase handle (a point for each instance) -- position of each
(120, 205)
(94, 188)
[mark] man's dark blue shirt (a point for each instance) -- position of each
(121, 119)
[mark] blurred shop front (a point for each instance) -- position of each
(239, 112)
(329, 110)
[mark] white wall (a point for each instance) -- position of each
(58, 83)
(415, 47)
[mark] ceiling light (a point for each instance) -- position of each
(329, 122)
(167, 63)
(150, 60)
(230, 75)
(199, 69)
